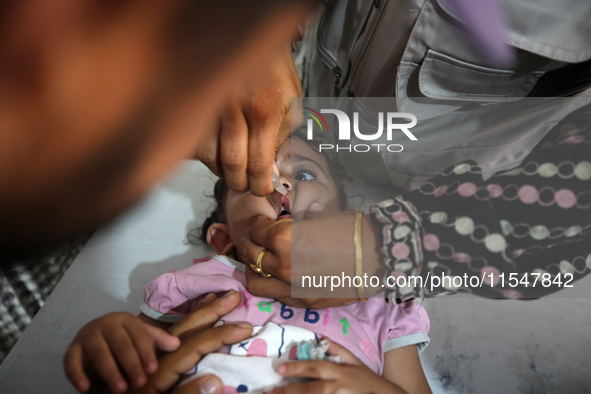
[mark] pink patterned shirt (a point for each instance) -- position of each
(368, 329)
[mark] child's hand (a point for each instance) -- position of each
(351, 377)
(114, 341)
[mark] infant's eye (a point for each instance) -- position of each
(304, 176)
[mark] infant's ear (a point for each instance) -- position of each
(218, 237)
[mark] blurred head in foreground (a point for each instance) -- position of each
(99, 100)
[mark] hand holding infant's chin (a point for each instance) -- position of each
(319, 246)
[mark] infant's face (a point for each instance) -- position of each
(305, 174)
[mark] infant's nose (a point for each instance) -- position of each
(285, 182)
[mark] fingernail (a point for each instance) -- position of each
(81, 385)
(281, 369)
(209, 386)
(229, 293)
(119, 387)
(138, 381)
(208, 298)
(343, 391)
(151, 367)
(276, 180)
(244, 325)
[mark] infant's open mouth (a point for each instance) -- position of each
(283, 208)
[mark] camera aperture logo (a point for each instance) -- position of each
(392, 120)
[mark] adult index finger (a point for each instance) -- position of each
(194, 346)
(205, 316)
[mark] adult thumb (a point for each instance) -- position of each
(208, 384)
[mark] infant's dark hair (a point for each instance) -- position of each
(218, 215)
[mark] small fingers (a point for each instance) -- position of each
(74, 366)
(144, 338)
(334, 349)
(141, 337)
(163, 340)
(126, 354)
(102, 360)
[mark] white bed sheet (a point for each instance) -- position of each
(478, 346)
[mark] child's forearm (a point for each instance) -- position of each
(402, 367)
